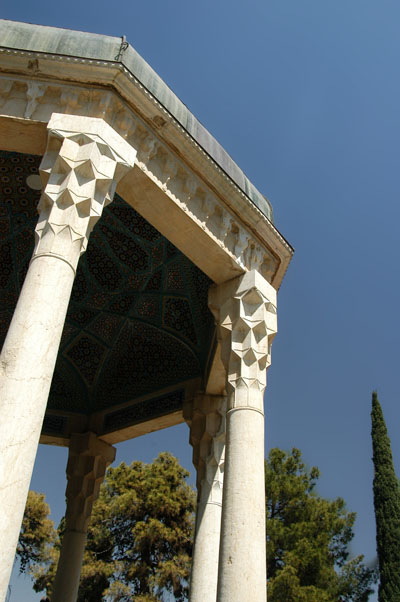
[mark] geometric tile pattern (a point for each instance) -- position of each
(54, 425)
(142, 411)
(138, 318)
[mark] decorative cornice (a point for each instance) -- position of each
(244, 231)
(157, 93)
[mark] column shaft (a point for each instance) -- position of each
(242, 570)
(245, 311)
(27, 363)
(69, 566)
(204, 574)
(207, 436)
(84, 160)
(87, 463)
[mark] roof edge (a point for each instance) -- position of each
(57, 41)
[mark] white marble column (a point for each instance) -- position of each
(245, 311)
(88, 459)
(83, 162)
(206, 420)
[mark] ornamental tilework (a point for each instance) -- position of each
(54, 425)
(126, 249)
(80, 288)
(138, 305)
(123, 304)
(148, 308)
(128, 369)
(106, 327)
(70, 332)
(155, 282)
(174, 279)
(87, 355)
(4, 322)
(68, 384)
(6, 263)
(177, 317)
(142, 411)
(158, 254)
(81, 316)
(59, 385)
(136, 224)
(103, 268)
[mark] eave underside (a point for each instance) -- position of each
(138, 332)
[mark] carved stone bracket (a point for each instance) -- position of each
(245, 312)
(88, 459)
(83, 163)
(207, 437)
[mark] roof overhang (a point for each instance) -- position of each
(70, 71)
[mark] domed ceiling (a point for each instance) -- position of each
(138, 320)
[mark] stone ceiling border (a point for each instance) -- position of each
(162, 408)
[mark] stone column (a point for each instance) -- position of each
(245, 311)
(88, 459)
(207, 436)
(84, 160)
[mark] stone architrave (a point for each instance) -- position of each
(84, 160)
(88, 459)
(245, 312)
(207, 436)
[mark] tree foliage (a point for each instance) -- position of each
(37, 532)
(387, 508)
(140, 537)
(308, 538)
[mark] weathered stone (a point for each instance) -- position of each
(245, 312)
(206, 419)
(30, 350)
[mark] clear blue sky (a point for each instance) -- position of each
(305, 96)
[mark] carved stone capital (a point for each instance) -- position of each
(84, 160)
(206, 420)
(88, 459)
(245, 313)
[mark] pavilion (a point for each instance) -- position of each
(143, 296)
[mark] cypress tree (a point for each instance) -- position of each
(387, 508)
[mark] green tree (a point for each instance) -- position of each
(387, 508)
(140, 536)
(37, 534)
(308, 537)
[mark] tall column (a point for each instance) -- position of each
(84, 160)
(87, 462)
(245, 311)
(207, 436)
